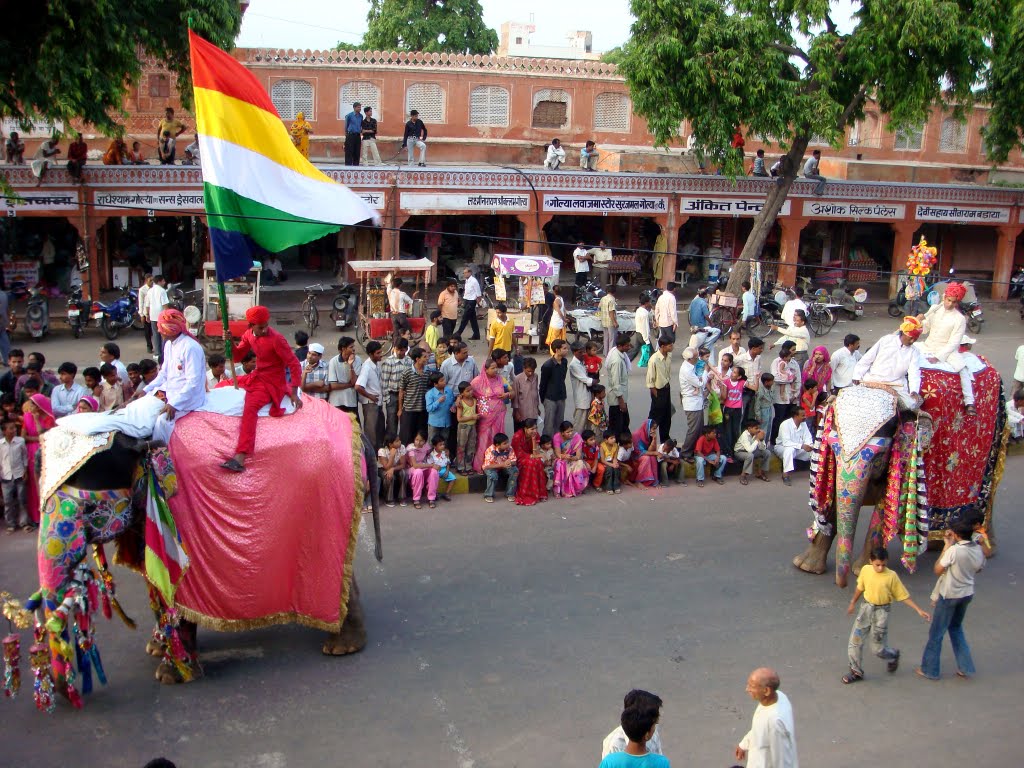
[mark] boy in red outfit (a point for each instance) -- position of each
(267, 384)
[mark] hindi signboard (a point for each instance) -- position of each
(821, 209)
(570, 203)
(183, 200)
(41, 201)
(961, 214)
(725, 206)
(486, 201)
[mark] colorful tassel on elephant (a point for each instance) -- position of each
(42, 674)
(12, 665)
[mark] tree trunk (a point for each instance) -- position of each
(763, 222)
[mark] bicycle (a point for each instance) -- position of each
(310, 311)
(820, 319)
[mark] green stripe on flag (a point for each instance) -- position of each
(270, 228)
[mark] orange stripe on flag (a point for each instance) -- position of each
(218, 70)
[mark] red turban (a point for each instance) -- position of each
(258, 315)
(912, 327)
(172, 321)
(956, 291)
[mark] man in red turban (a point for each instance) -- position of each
(945, 325)
(267, 384)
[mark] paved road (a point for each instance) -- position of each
(503, 636)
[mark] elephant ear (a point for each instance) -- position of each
(925, 430)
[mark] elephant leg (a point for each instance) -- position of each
(352, 637)
(168, 673)
(815, 557)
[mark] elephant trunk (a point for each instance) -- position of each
(370, 460)
(853, 476)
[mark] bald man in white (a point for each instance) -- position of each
(771, 740)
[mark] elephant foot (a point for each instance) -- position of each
(155, 648)
(841, 579)
(814, 559)
(168, 674)
(343, 643)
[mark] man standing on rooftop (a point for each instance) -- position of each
(353, 134)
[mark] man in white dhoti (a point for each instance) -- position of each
(181, 382)
(794, 442)
(771, 740)
(896, 361)
(945, 325)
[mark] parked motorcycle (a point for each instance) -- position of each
(37, 315)
(850, 303)
(1017, 283)
(119, 314)
(78, 311)
(345, 306)
(974, 314)
(589, 295)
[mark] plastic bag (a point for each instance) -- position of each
(645, 355)
(714, 409)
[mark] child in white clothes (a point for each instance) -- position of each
(439, 458)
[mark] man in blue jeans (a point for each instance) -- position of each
(960, 560)
(500, 458)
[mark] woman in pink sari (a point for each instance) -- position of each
(571, 472)
(645, 454)
(491, 404)
(38, 419)
(819, 368)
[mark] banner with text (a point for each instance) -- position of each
(41, 201)
(607, 204)
(830, 210)
(493, 201)
(725, 206)
(184, 200)
(962, 214)
(372, 199)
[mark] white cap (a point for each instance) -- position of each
(968, 340)
(318, 348)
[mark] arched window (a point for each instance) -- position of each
(954, 135)
(428, 99)
(611, 112)
(488, 105)
(550, 108)
(291, 97)
(365, 93)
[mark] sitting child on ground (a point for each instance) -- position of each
(592, 457)
(610, 460)
(626, 465)
(391, 468)
(547, 457)
(439, 458)
(670, 465)
(499, 458)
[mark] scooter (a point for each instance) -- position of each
(1017, 283)
(116, 315)
(37, 315)
(851, 304)
(345, 306)
(78, 311)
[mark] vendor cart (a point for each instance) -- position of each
(519, 283)
(373, 280)
(205, 321)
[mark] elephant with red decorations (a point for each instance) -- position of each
(922, 470)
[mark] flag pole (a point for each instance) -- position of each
(222, 301)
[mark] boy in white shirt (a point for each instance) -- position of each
(13, 467)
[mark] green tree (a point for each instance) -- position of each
(782, 68)
(453, 26)
(67, 59)
(614, 56)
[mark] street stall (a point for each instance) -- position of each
(586, 323)
(373, 279)
(241, 294)
(519, 283)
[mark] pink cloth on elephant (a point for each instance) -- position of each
(273, 544)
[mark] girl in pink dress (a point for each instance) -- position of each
(420, 471)
(491, 404)
(571, 472)
(38, 419)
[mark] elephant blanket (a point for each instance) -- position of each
(294, 514)
(963, 464)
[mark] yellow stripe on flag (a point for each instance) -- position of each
(241, 123)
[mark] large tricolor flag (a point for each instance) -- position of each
(259, 189)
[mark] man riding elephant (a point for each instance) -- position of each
(902, 437)
(945, 326)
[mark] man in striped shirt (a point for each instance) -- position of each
(392, 369)
(412, 397)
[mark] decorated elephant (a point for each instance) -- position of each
(274, 545)
(923, 470)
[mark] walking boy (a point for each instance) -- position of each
(880, 588)
(956, 567)
(638, 723)
(13, 466)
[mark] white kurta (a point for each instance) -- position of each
(182, 379)
(892, 362)
(945, 329)
(771, 740)
(790, 443)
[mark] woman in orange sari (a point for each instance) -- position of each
(300, 131)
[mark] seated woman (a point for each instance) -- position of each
(532, 485)
(571, 472)
(645, 454)
(420, 471)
